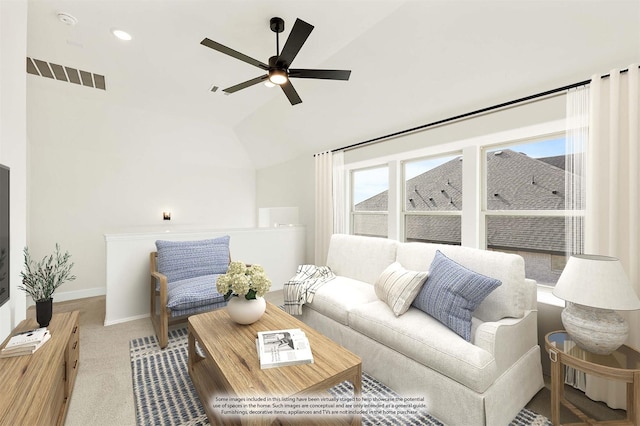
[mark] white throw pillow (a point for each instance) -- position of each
(397, 287)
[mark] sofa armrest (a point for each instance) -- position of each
(508, 339)
(530, 294)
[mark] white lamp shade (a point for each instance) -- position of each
(596, 281)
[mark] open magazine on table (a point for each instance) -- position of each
(279, 348)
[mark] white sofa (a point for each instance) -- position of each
(482, 382)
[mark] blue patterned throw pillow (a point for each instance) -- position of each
(452, 292)
(179, 260)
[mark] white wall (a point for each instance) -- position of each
(515, 117)
(291, 184)
(13, 145)
(96, 167)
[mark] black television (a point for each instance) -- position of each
(4, 234)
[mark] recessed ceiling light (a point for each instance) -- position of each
(67, 18)
(122, 35)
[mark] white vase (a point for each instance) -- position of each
(245, 311)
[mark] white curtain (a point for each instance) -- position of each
(576, 137)
(330, 201)
(324, 205)
(339, 201)
(613, 202)
(576, 141)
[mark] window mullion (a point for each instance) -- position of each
(394, 201)
(472, 234)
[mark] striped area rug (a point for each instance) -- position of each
(164, 394)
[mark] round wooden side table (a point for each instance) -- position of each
(622, 365)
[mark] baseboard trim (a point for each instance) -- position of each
(66, 296)
(121, 320)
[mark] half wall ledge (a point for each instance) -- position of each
(279, 251)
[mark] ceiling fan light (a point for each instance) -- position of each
(278, 77)
(268, 83)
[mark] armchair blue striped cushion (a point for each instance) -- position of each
(192, 269)
(193, 293)
(178, 260)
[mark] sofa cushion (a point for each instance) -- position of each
(193, 293)
(427, 341)
(179, 260)
(337, 297)
(360, 258)
(508, 300)
(397, 287)
(452, 292)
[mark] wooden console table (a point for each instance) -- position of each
(35, 389)
(622, 365)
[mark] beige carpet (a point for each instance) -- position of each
(103, 392)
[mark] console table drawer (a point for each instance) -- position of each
(37, 387)
(72, 358)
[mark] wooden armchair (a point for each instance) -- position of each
(183, 281)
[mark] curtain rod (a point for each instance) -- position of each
(472, 113)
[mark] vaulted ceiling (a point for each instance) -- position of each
(412, 61)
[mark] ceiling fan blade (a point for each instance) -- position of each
(299, 34)
(323, 74)
(246, 84)
(291, 93)
(233, 53)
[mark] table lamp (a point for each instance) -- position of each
(594, 286)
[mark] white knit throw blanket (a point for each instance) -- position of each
(301, 288)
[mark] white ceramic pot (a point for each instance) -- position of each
(600, 331)
(245, 311)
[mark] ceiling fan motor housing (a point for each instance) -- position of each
(273, 64)
(277, 73)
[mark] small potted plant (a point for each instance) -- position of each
(243, 287)
(41, 279)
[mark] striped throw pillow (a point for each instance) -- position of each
(397, 287)
(452, 292)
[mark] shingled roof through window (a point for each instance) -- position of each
(515, 182)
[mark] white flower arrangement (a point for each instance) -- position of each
(249, 281)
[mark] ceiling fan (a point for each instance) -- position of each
(278, 71)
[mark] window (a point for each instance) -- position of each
(525, 205)
(433, 200)
(520, 196)
(369, 201)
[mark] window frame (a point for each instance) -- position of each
(485, 213)
(474, 214)
(350, 182)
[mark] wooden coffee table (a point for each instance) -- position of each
(230, 367)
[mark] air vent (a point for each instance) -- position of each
(64, 73)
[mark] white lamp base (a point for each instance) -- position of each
(599, 331)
